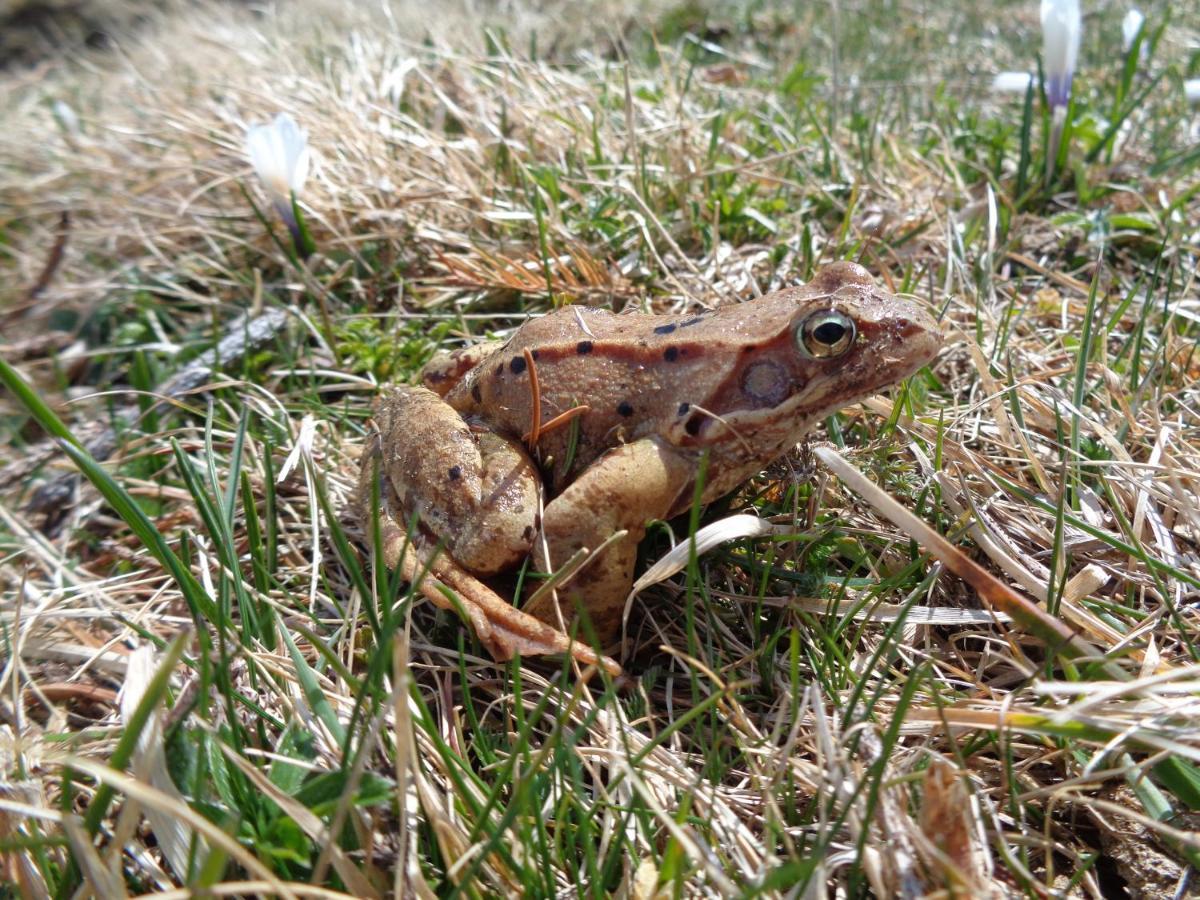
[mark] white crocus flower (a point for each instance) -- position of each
(1131, 25)
(279, 153)
(1191, 90)
(1062, 27)
(1012, 82)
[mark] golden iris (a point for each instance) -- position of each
(826, 334)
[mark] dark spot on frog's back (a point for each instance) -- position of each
(688, 323)
(583, 347)
(476, 393)
(683, 408)
(671, 354)
(625, 408)
(517, 365)
(666, 329)
(455, 473)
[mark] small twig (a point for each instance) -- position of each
(54, 260)
(558, 421)
(535, 426)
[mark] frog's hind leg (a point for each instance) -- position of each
(421, 440)
(476, 492)
(621, 491)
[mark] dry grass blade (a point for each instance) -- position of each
(98, 878)
(150, 797)
(731, 528)
(150, 763)
(1057, 637)
(571, 273)
(949, 828)
(251, 889)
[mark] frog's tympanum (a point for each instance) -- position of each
(482, 461)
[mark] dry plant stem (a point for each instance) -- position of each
(310, 823)
(53, 260)
(563, 418)
(536, 427)
(146, 795)
(1057, 636)
(535, 401)
(243, 335)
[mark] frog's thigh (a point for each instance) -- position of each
(624, 489)
(476, 491)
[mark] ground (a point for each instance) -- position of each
(205, 680)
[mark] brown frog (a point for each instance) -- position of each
(491, 467)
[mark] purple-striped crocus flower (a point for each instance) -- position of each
(1061, 29)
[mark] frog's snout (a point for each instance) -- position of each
(917, 332)
(917, 323)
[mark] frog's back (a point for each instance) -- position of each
(630, 371)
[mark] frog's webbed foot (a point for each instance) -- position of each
(502, 628)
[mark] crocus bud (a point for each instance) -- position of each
(279, 153)
(1061, 29)
(1131, 25)
(1012, 82)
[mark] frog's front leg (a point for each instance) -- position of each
(623, 490)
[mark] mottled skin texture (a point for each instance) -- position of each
(740, 383)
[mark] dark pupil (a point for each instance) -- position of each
(829, 333)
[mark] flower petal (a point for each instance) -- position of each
(1130, 26)
(1012, 82)
(280, 156)
(1062, 27)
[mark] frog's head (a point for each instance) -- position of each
(834, 341)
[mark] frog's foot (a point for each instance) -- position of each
(500, 626)
(597, 591)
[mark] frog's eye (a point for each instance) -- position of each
(826, 334)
